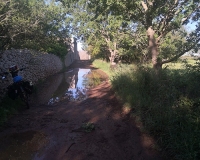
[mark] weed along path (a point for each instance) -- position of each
(95, 127)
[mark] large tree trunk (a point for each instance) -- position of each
(112, 55)
(153, 49)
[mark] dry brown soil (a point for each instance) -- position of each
(55, 132)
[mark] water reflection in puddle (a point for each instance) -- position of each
(75, 81)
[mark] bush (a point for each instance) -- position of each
(50, 46)
(58, 49)
(168, 105)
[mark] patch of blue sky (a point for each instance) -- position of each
(191, 26)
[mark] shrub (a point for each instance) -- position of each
(168, 105)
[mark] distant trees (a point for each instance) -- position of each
(33, 24)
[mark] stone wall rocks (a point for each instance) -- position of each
(38, 65)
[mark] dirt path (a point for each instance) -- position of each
(56, 132)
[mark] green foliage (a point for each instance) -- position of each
(103, 65)
(171, 44)
(168, 105)
(34, 24)
(56, 48)
(88, 127)
(125, 23)
(8, 107)
(107, 34)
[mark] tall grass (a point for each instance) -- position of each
(103, 66)
(168, 105)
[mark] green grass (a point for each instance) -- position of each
(180, 64)
(88, 127)
(103, 66)
(167, 104)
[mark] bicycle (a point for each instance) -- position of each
(19, 87)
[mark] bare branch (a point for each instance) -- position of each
(144, 6)
(3, 36)
(5, 16)
(165, 22)
(150, 3)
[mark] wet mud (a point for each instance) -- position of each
(95, 128)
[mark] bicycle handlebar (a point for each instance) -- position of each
(3, 74)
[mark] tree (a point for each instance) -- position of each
(105, 30)
(6, 12)
(161, 18)
(158, 18)
(33, 24)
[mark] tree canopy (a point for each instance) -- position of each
(156, 20)
(131, 30)
(33, 24)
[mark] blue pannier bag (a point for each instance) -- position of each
(17, 79)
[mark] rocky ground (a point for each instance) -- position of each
(98, 128)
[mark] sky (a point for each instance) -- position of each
(79, 46)
(191, 26)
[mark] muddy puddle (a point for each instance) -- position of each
(22, 146)
(70, 85)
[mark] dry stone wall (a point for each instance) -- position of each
(38, 65)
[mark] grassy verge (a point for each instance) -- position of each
(168, 106)
(103, 66)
